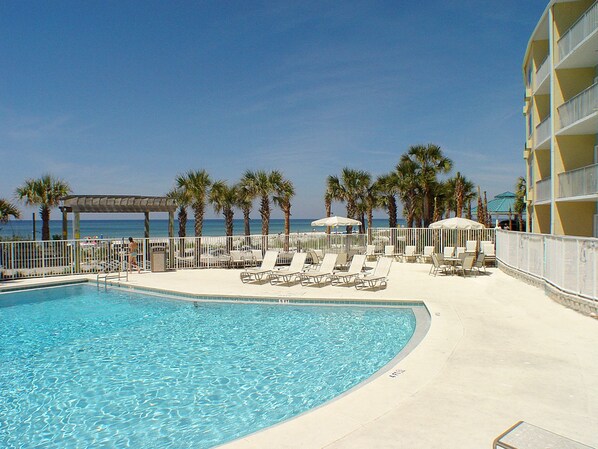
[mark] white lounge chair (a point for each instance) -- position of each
(426, 257)
(324, 272)
(489, 253)
(370, 252)
(471, 246)
(258, 273)
(389, 251)
(409, 255)
(287, 275)
(378, 278)
(448, 251)
(346, 277)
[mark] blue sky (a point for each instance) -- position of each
(119, 97)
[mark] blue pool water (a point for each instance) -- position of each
(81, 367)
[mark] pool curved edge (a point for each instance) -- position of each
(389, 390)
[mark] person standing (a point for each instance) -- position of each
(133, 251)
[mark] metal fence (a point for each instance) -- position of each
(568, 263)
(422, 237)
(24, 259)
(579, 31)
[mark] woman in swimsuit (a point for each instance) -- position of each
(133, 247)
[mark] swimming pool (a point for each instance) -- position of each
(82, 367)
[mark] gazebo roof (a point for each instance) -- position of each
(118, 203)
(501, 204)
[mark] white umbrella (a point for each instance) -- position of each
(456, 223)
(335, 222)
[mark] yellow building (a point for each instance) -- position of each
(561, 114)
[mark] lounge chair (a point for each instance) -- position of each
(409, 255)
(389, 251)
(438, 265)
(525, 435)
(466, 265)
(460, 251)
(287, 275)
(370, 252)
(448, 251)
(341, 261)
(479, 264)
(378, 278)
(471, 246)
(346, 277)
(488, 250)
(314, 259)
(426, 257)
(258, 273)
(323, 273)
(257, 256)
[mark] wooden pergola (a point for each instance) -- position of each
(78, 204)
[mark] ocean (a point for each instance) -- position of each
(23, 229)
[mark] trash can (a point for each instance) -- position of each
(158, 260)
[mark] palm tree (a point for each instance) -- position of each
(388, 187)
(429, 163)
(224, 199)
(408, 188)
(245, 203)
(520, 196)
(350, 187)
(46, 193)
(8, 210)
(195, 186)
(262, 184)
(284, 191)
(480, 209)
(182, 199)
(369, 202)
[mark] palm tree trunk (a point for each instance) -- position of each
(228, 219)
(182, 222)
(392, 212)
(198, 210)
(370, 223)
(246, 212)
(287, 226)
(328, 205)
(265, 214)
(45, 214)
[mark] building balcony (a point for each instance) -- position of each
(579, 184)
(542, 191)
(542, 135)
(577, 47)
(541, 78)
(579, 115)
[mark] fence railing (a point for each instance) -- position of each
(580, 106)
(542, 72)
(64, 257)
(22, 259)
(578, 182)
(542, 190)
(582, 28)
(542, 131)
(568, 263)
(422, 237)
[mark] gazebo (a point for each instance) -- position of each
(501, 205)
(116, 204)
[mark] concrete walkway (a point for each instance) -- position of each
(498, 351)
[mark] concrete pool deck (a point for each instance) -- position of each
(497, 351)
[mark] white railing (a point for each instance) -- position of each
(542, 72)
(580, 106)
(542, 190)
(542, 131)
(422, 237)
(568, 263)
(578, 182)
(23, 259)
(581, 29)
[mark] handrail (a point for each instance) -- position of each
(579, 106)
(569, 41)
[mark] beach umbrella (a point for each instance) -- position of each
(456, 223)
(335, 221)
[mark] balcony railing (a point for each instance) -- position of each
(585, 25)
(579, 182)
(580, 106)
(542, 72)
(543, 190)
(542, 131)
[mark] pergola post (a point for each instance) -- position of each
(77, 236)
(65, 228)
(146, 234)
(171, 237)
